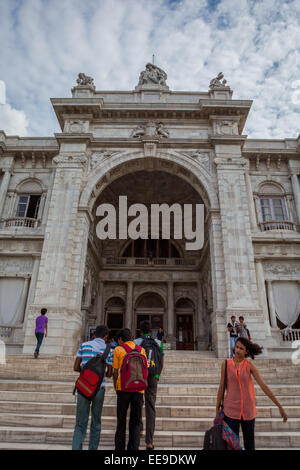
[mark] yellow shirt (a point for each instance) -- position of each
(119, 354)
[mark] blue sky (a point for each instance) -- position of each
(46, 43)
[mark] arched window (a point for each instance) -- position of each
(272, 203)
(28, 200)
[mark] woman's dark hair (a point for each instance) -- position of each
(251, 348)
(124, 334)
(43, 311)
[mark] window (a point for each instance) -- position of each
(272, 209)
(28, 206)
(151, 249)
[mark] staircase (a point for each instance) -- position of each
(37, 408)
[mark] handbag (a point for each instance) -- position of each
(213, 438)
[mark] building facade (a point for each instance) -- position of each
(154, 146)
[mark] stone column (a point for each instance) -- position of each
(171, 334)
(296, 192)
(24, 297)
(100, 306)
(61, 272)
(3, 189)
(262, 293)
(273, 318)
(33, 280)
(239, 270)
(219, 294)
(201, 337)
(129, 306)
(252, 212)
(48, 199)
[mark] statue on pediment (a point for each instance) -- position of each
(217, 83)
(152, 75)
(84, 80)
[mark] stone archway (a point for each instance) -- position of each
(123, 165)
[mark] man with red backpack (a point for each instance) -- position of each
(93, 360)
(130, 371)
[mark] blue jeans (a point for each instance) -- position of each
(82, 418)
(232, 344)
(39, 337)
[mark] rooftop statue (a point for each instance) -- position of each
(152, 75)
(216, 82)
(84, 80)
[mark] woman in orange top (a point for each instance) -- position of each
(239, 402)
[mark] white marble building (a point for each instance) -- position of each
(153, 145)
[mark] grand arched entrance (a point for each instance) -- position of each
(143, 277)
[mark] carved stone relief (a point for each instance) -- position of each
(151, 129)
(16, 265)
(282, 268)
(76, 126)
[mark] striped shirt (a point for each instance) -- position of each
(91, 349)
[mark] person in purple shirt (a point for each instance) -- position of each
(41, 329)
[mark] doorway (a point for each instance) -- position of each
(150, 306)
(114, 308)
(185, 325)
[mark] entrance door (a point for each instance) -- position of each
(184, 332)
(114, 323)
(156, 322)
(115, 309)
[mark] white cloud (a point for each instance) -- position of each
(12, 121)
(2, 92)
(47, 43)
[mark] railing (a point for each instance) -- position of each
(5, 331)
(20, 222)
(291, 335)
(277, 225)
(150, 261)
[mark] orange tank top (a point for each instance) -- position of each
(239, 401)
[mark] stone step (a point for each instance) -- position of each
(161, 424)
(164, 439)
(31, 446)
(109, 409)
(55, 388)
(162, 400)
(172, 360)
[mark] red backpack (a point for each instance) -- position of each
(134, 370)
(92, 375)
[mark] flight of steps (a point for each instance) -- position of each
(37, 408)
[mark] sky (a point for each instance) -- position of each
(46, 43)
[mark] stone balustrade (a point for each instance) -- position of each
(277, 225)
(291, 335)
(26, 222)
(150, 261)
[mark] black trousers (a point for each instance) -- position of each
(135, 400)
(247, 429)
(150, 399)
